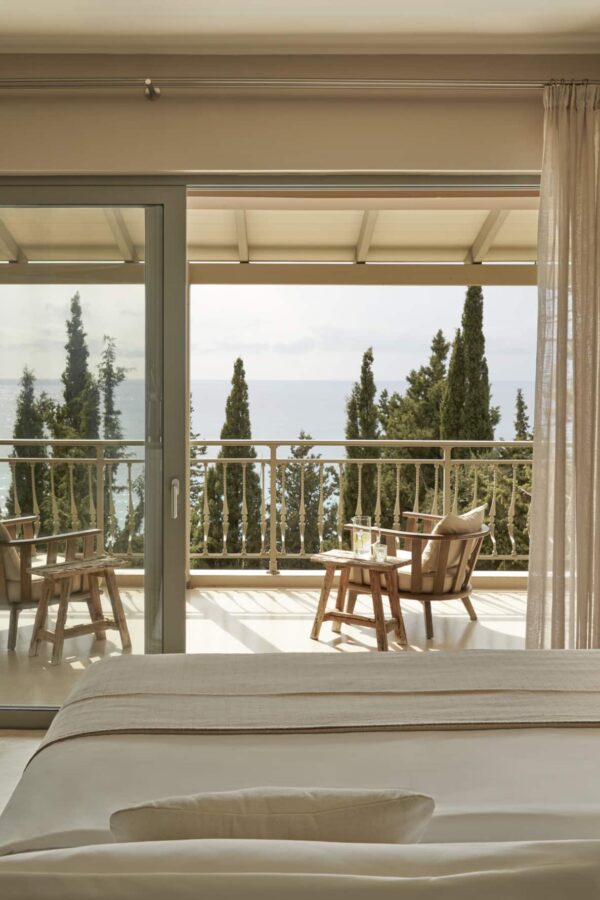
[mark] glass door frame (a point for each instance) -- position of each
(166, 387)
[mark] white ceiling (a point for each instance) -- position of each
(300, 26)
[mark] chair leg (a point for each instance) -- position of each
(41, 617)
(341, 596)
(470, 609)
(95, 606)
(117, 607)
(13, 624)
(392, 585)
(327, 582)
(380, 629)
(61, 620)
(428, 619)
(351, 602)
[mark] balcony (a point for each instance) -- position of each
(252, 587)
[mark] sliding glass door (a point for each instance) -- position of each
(93, 411)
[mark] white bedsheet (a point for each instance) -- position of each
(495, 785)
(296, 870)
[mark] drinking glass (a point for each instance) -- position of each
(361, 536)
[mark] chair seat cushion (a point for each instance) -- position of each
(427, 581)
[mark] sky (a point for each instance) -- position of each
(281, 332)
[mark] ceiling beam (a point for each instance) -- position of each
(367, 274)
(121, 234)
(72, 273)
(487, 235)
(9, 247)
(241, 227)
(363, 245)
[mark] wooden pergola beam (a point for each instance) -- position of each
(365, 236)
(121, 234)
(487, 234)
(241, 227)
(9, 247)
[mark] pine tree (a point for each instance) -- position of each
(237, 425)
(197, 488)
(29, 423)
(417, 413)
(522, 432)
(453, 400)
(362, 423)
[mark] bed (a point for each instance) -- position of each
(505, 741)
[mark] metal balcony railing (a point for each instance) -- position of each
(283, 504)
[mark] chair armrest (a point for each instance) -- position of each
(19, 520)
(53, 538)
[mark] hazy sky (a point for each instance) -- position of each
(289, 332)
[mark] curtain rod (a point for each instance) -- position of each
(152, 88)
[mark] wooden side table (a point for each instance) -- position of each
(93, 570)
(345, 560)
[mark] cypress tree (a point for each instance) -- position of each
(417, 413)
(29, 423)
(237, 425)
(110, 376)
(522, 432)
(453, 400)
(478, 417)
(362, 423)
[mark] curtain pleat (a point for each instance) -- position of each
(563, 608)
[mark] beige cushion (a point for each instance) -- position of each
(427, 581)
(391, 816)
(10, 557)
(468, 523)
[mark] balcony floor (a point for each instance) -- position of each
(224, 620)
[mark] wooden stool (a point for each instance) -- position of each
(345, 560)
(64, 574)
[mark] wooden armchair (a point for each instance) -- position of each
(442, 573)
(21, 588)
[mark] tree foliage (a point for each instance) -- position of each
(362, 423)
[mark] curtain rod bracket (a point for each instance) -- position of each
(151, 92)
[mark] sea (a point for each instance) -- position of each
(279, 409)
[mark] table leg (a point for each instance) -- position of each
(40, 617)
(327, 582)
(382, 641)
(392, 586)
(61, 618)
(95, 605)
(341, 597)
(117, 607)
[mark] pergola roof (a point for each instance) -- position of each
(418, 229)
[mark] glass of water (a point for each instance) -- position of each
(361, 536)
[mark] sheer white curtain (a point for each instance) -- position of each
(563, 607)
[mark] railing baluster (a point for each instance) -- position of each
(417, 487)
(302, 509)
(17, 505)
(205, 512)
(283, 511)
(436, 485)
(456, 488)
(91, 505)
(378, 500)
(397, 506)
(73, 503)
(53, 503)
(358, 511)
(321, 508)
(34, 499)
(263, 508)
(511, 512)
(130, 510)
(244, 509)
(112, 519)
(340, 508)
(492, 518)
(225, 509)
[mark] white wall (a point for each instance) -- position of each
(106, 133)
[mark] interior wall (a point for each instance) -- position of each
(278, 131)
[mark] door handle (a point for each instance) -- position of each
(174, 498)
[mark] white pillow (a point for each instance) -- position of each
(280, 813)
(468, 523)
